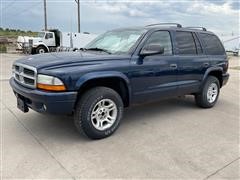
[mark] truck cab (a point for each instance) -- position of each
(46, 41)
(48, 38)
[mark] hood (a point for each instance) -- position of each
(36, 39)
(51, 60)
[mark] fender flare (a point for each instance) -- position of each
(103, 74)
(208, 71)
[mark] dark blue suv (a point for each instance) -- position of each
(120, 68)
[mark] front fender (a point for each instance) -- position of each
(101, 74)
(36, 45)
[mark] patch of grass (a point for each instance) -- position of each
(14, 33)
(236, 67)
(3, 48)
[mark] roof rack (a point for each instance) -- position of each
(159, 24)
(203, 28)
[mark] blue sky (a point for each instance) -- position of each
(97, 16)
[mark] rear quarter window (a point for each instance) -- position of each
(213, 46)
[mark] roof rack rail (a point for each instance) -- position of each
(159, 24)
(203, 28)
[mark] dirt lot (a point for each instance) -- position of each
(169, 139)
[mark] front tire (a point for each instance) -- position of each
(41, 50)
(98, 112)
(208, 96)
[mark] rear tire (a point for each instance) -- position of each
(98, 112)
(208, 96)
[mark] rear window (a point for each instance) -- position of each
(185, 42)
(213, 45)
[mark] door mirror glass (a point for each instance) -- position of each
(151, 49)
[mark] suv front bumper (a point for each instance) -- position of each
(45, 102)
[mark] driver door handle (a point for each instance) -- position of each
(173, 66)
(205, 64)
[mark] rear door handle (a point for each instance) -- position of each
(205, 64)
(173, 66)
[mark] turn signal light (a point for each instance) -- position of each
(51, 87)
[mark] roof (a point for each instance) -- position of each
(166, 26)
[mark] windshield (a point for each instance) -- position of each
(116, 41)
(41, 34)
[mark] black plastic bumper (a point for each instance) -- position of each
(45, 102)
(225, 78)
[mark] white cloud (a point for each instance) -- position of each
(98, 16)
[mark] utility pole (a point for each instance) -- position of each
(78, 9)
(45, 15)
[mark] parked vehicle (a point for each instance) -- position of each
(52, 41)
(121, 68)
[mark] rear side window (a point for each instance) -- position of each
(213, 45)
(185, 42)
(163, 39)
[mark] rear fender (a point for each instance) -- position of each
(208, 71)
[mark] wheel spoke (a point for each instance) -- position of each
(212, 92)
(109, 120)
(94, 116)
(110, 107)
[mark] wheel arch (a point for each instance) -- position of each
(44, 46)
(114, 80)
(216, 72)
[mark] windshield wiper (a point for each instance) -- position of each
(97, 49)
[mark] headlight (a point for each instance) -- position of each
(49, 83)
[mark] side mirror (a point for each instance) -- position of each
(151, 49)
(46, 36)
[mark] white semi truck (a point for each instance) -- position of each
(52, 41)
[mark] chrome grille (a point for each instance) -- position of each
(30, 41)
(25, 75)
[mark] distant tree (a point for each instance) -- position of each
(1, 29)
(7, 29)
